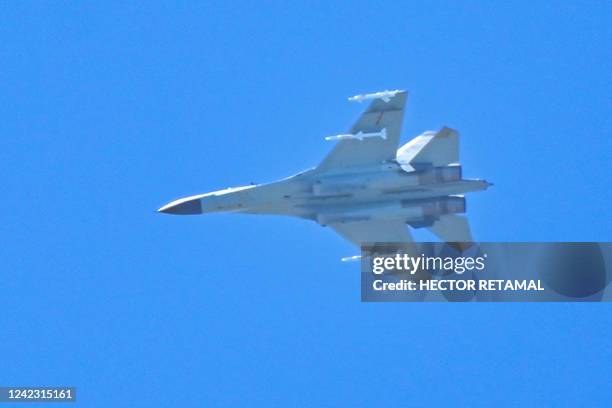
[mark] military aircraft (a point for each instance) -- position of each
(366, 189)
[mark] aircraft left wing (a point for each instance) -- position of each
(374, 231)
(381, 116)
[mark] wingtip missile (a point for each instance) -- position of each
(340, 137)
(354, 258)
(384, 95)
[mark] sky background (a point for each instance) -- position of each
(110, 110)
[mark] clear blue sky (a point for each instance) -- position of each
(110, 110)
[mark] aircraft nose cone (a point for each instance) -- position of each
(186, 206)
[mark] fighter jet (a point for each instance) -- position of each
(365, 189)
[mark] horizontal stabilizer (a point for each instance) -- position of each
(431, 149)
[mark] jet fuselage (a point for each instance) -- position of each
(385, 191)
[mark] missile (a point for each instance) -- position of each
(384, 95)
(353, 258)
(359, 136)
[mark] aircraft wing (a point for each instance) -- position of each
(374, 231)
(452, 228)
(379, 115)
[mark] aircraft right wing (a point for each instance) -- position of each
(452, 228)
(379, 115)
(449, 228)
(374, 231)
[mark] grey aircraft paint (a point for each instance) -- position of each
(366, 189)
